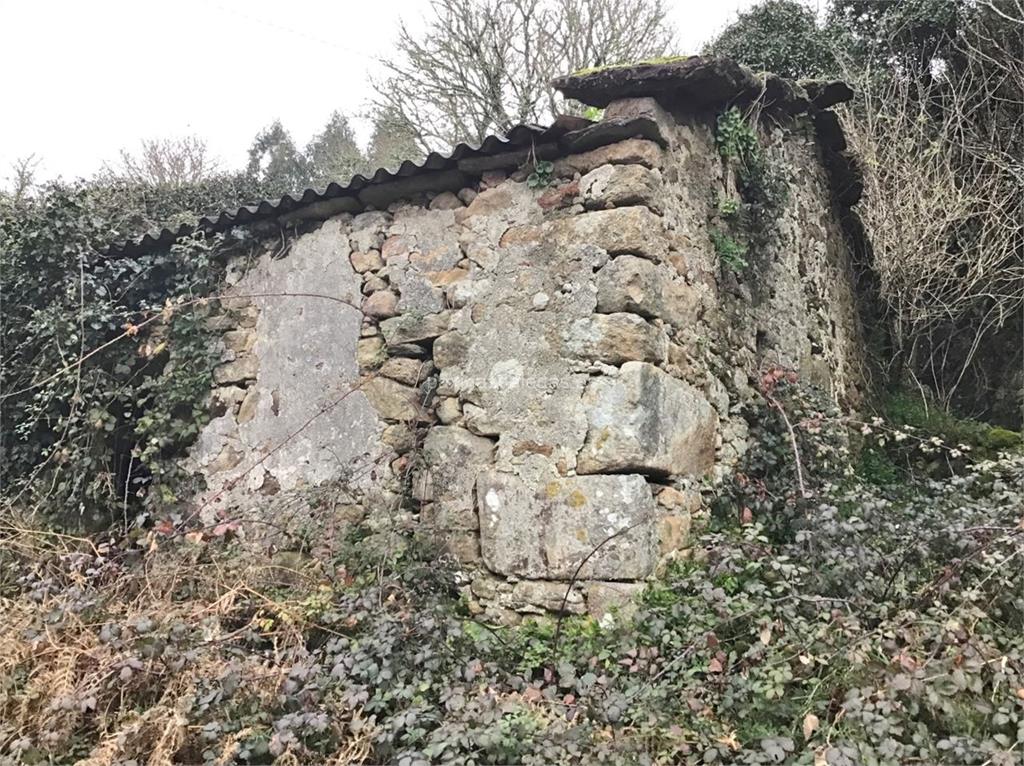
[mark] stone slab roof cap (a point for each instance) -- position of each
(697, 82)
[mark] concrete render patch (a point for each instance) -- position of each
(305, 360)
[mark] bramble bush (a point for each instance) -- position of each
(855, 595)
(841, 622)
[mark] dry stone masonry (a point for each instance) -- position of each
(545, 378)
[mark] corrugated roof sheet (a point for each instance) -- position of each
(696, 81)
(518, 137)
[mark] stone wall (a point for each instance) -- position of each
(544, 378)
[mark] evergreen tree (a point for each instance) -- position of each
(333, 154)
(275, 162)
(392, 142)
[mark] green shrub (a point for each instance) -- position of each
(881, 625)
(731, 254)
(906, 408)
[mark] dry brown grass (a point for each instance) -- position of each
(72, 692)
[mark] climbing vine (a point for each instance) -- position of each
(760, 182)
(103, 377)
(747, 221)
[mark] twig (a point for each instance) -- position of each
(575, 575)
(792, 440)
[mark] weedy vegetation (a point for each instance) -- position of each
(822, 617)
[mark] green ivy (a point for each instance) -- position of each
(735, 137)
(760, 183)
(731, 254)
(780, 36)
(93, 442)
(541, 175)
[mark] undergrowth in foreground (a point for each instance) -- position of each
(881, 625)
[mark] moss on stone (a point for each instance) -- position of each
(645, 62)
(906, 408)
(1003, 439)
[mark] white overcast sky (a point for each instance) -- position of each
(83, 79)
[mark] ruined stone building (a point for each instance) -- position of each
(537, 348)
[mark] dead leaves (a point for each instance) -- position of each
(810, 726)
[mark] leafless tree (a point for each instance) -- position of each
(482, 66)
(23, 176)
(167, 162)
(944, 194)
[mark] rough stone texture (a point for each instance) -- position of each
(632, 151)
(400, 437)
(410, 328)
(534, 366)
(449, 410)
(226, 398)
(393, 400)
(606, 598)
(644, 420)
(420, 241)
(634, 230)
(445, 201)
(367, 228)
(247, 409)
(452, 459)
(698, 81)
(366, 261)
(544, 526)
(382, 303)
(636, 285)
(411, 372)
(447, 277)
(643, 106)
(507, 360)
(673, 532)
(826, 93)
(540, 597)
(685, 502)
(237, 371)
(616, 338)
(239, 341)
(369, 351)
(621, 185)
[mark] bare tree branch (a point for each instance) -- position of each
(483, 66)
(23, 176)
(944, 189)
(167, 162)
